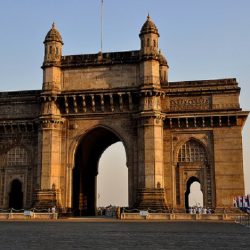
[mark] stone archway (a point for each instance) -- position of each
(193, 164)
(16, 195)
(85, 171)
(190, 181)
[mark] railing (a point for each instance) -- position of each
(243, 219)
(12, 213)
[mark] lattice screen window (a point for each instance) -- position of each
(192, 151)
(17, 156)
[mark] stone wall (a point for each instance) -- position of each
(19, 112)
(100, 77)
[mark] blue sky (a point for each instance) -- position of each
(201, 39)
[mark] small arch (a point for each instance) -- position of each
(189, 183)
(142, 43)
(16, 195)
(154, 43)
(195, 197)
(148, 42)
(164, 75)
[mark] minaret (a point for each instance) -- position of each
(149, 38)
(51, 124)
(149, 52)
(52, 60)
(151, 187)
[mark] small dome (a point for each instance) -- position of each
(149, 27)
(163, 60)
(53, 35)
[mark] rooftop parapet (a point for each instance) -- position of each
(101, 58)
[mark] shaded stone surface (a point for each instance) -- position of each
(123, 235)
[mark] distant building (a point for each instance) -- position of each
(174, 133)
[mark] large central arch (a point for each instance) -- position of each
(85, 171)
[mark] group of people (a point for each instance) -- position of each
(110, 211)
(200, 210)
(53, 211)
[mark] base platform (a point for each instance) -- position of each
(180, 216)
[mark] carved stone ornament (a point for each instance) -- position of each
(51, 123)
(190, 103)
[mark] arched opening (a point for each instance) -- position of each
(87, 156)
(16, 195)
(193, 161)
(195, 197)
(112, 179)
(193, 194)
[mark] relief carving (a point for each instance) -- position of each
(152, 102)
(50, 107)
(191, 103)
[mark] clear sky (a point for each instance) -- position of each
(201, 39)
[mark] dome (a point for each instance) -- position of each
(163, 60)
(53, 35)
(149, 27)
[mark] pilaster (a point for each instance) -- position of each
(150, 155)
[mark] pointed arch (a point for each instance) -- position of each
(90, 147)
(17, 156)
(189, 182)
(75, 143)
(192, 151)
(16, 194)
(193, 161)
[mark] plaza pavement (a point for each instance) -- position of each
(102, 233)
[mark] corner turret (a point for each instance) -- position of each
(52, 61)
(53, 46)
(149, 36)
(149, 54)
(154, 66)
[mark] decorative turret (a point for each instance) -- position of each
(149, 37)
(51, 124)
(150, 193)
(154, 66)
(53, 46)
(149, 53)
(52, 61)
(163, 68)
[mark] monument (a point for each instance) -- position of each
(174, 133)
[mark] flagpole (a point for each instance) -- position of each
(101, 23)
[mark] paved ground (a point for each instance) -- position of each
(76, 234)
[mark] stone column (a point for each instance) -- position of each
(48, 194)
(51, 124)
(151, 192)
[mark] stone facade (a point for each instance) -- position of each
(174, 133)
